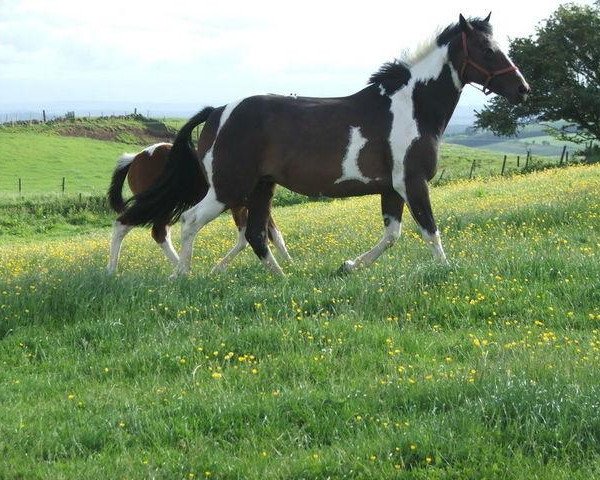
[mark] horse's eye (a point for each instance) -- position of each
(489, 53)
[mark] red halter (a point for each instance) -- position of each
(488, 75)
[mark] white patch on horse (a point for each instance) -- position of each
(150, 150)
(517, 71)
(391, 233)
(382, 90)
(125, 159)
(239, 246)
(435, 242)
(455, 78)
(193, 220)
(207, 161)
(404, 129)
(279, 243)
(119, 232)
(167, 248)
(350, 168)
(271, 264)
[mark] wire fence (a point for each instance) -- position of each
(502, 165)
(42, 116)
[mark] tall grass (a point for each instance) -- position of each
(485, 369)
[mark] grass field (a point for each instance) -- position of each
(41, 161)
(486, 369)
(531, 137)
(82, 151)
(41, 157)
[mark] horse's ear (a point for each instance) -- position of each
(487, 19)
(465, 26)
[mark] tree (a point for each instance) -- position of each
(562, 66)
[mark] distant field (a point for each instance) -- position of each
(532, 138)
(41, 155)
(41, 161)
(487, 369)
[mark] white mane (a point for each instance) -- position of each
(422, 50)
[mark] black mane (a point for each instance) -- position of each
(452, 30)
(391, 76)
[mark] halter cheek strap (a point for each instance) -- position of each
(488, 75)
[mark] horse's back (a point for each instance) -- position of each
(301, 142)
(147, 166)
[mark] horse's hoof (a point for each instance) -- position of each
(347, 267)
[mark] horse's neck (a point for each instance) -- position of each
(437, 88)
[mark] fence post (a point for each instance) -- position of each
(441, 175)
(562, 155)
(20, 186)
(527, 159)
(63, 184)
(44, 115)
(567, 158)
(503, 166)
(518, 158)
(472, 169)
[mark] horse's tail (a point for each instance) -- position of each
(115, 191)
(180, 187)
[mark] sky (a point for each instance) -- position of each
(199, 52)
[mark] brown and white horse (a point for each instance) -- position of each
(142, 170)
(382, 140)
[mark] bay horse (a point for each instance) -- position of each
(382, 140)
(142, 170)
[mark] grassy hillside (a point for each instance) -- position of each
(84, 152)
(485, 369)
(132, 129)
(41, 161)
(533, 138)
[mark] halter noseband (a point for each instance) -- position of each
(488, 75)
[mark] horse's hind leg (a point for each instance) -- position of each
(277, 238)
(192, 221)
(161, 233)
(240, 217)
(119, 232)
(259, 205)
(391, 209)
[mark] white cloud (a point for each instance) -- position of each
(185, 49)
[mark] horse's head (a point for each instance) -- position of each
(480, 60)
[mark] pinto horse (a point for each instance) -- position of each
(382, 140)
(142, 170)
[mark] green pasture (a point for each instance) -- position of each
(486, 369)
(42, 161)
(36, 159)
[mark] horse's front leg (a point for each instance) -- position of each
(392, 206)
(417, 196)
